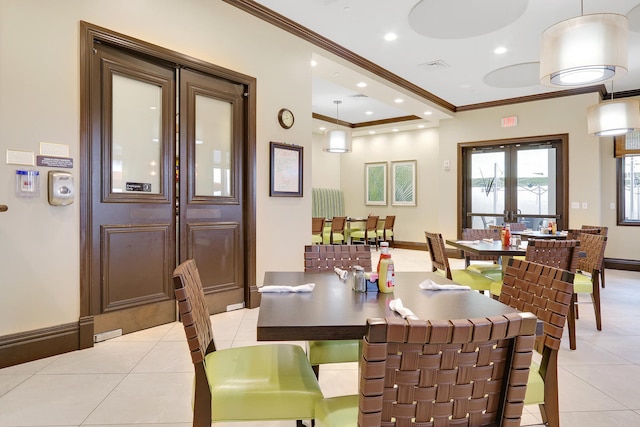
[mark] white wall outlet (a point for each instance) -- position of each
(575, 205)
(612, 206)
(585, 205)
(446, 165)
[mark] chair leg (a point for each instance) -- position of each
(595, 298)
(550, 409)
(571, 321)
(602, 278)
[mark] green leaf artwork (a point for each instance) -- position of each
(376, 183)
(404, 183)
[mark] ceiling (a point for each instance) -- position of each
(443, 59)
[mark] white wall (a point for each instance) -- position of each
(325, 166)
(39, 101)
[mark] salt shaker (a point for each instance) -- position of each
(359, 284)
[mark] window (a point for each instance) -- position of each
(627, 153)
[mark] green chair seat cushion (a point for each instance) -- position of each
(381, 233)
(535, 386)
(316, 238)
(582, 284)
(493, 275)
(274, 380)
(481, 267)
(333, 351)
(495, 288)
(475, 281)
(360, 234)
(337, 237)
(341, 411)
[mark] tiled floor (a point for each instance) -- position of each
(145, 378)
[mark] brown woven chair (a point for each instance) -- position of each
(513, 226)
(317, 229)
(326, 257)
(546, 292)
(254, 383)
(466, 372)
(386, 233)
(479, 234)
(322, 258)
(440, 264)
(588, 275)
(336, 231)
(369, 234)
(603, 231)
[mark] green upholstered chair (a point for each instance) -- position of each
(546, 292)
(603, 231)
(562, 254)
(488, 263)
(317, 230)
(369, 234)
(438, 373)
(323, 258)
(385, 233)
(440, 264)
(335, 234)
(256, 383)
(587, 279)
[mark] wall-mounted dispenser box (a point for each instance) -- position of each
(61, 190)
(27, 183)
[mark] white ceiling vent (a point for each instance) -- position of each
(434, 65)
(359, 96)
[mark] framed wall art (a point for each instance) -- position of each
(403, 183)
(375, 182)
(285, 170)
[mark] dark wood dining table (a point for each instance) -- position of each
(528, 234)
(333, 311)
(482, 247)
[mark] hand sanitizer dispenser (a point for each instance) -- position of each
(61, 189)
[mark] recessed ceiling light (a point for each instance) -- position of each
(395, 129)
(420, 126)
(314, 63)
(428, 113)
(390, 37)
(368, 113)
(398, 100)
(362, 84)
(500, 50)
(322, 128)
(336, 74)
(372, 132)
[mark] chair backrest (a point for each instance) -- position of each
(338, 223)
(389, 221)
(562, 254)
(437, 253)
(193, 310)
(593, 245)
(513, 226)
(372, 223)
(602, 230)
(326, 257)
(479, 234)
(574, 233)
(317, 225)
(446, 372)
(544, 291)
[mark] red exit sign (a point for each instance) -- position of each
(508, 122)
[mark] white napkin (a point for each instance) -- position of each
(341, 273)
(396, 305)
(523, 245)
(488, 240)
(307, 287)
(430, 285)
(469, 242)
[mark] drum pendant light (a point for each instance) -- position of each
(337, 141)
(613, 117)
(585, 50)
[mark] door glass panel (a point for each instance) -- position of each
(536, 193)
(213, 147)
(136, 148)
(487, 188)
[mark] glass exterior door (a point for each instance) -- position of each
(516, 182)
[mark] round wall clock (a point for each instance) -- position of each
(285, 118)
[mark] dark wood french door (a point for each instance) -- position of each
(161, 188)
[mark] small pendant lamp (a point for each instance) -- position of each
(337, 141)
(613, 117)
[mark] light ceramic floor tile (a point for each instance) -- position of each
(176, 333)
(44, 400)
(146, 398)
(30, 367)
(150, 334)
(575, 394)
(620, 382)
(9, 382)
(600, 418)
(166, 357)
(104, 357)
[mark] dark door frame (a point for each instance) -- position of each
(90, 34)
(564, 179)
